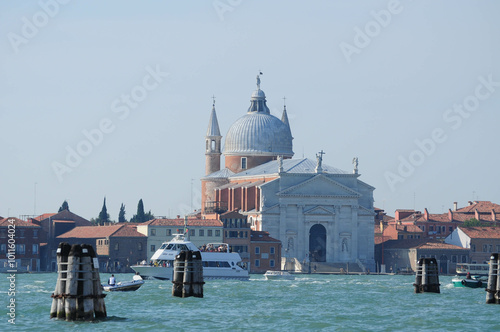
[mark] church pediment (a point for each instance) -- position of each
(275, 209)
(319, 210)
(319, 186)
(362, 211)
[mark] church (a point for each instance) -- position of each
(321, 214)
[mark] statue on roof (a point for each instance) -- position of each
(258, 82)
(319, 160)
(355, 163)
(280, 164)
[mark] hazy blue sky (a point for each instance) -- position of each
(377, 80)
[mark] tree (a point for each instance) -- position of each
(141, 217)
(64, 206)
(473, 222)
(121, 215)
(103, 215)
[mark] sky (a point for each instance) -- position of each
(112, 99)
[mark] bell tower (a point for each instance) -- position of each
(212, 144)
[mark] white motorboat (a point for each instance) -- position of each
(218, 261)
(124, 286)
(278, 275)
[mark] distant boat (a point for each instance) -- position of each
(473, 282)
(124, 286)
(473, 269)
(218, 262)
(279, 275)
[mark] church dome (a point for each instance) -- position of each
(258, 133)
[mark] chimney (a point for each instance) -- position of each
(470, 203)
(476, 213)
(381, 226)
(426, 215)
(493, 215)
(178, 216)
(455, 206)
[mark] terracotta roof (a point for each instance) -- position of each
(232, 214)
(481, 232)
(258, 236)
(44, 216)
(409, 228)
(180, 222)
(16, 221)
(481, 206)
(439, 245)
(89, 232)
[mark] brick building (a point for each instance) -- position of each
(482, 241)
(265, 252)
(26, 238)
(118, 246)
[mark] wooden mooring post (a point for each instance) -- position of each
(427, 276)
(188, 275)
(78, 293)
(493, 288)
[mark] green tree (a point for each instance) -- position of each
(103, 215)
(64, 206)
(121, 215)
(141, 217)
(473, 222)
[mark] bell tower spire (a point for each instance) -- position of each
(212, 143)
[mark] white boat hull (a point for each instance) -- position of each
(166, 273)
(124, 286)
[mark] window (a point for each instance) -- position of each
(217, 232)
(191, 232)
(153, 232)
(490, 248)
(153, 248)
(431, 228)
(271, 262)
(485, 248)
(464, 259)
(35, 233)
(450, 229)
(257, 263)
(139, 245)
(169, 232)
(498, 247)
(453, 258)
(21, 233)
(20, 249)
(423, 227)
(257, 250)
(243, 162)
(3, 248)
(117, 246)
(271, 250)
(473, 247)
(201, 232)
(35, 249)
(209, 232)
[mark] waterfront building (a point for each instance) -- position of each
(237, 234)
(53, 225)
(318, 212)
(265, 253)
(118, 246)
(401, 256)
(26, 239)
(482, 242)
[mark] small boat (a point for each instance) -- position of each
(217, 259)
(473, 282)
(278, 275)
(124, 286)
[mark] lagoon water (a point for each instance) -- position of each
(309, 303)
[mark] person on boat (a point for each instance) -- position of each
(468, 276)
(112, 280)
(137, 277)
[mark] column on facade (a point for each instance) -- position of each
(282, 224)
(299, 250)
(336, 232)
(330, 236)
(354, 232)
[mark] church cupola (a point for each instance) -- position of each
(212, 144)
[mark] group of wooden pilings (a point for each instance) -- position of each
(427, 276)
(188, 275)
(78, 293)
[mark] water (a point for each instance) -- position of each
(310, 302)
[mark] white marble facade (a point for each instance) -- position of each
(332, 213)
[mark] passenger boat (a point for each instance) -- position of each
(473, 282)
(278, 275)
(473, 269)
(124, 286)
(218, 262)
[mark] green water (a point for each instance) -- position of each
(309, 303)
